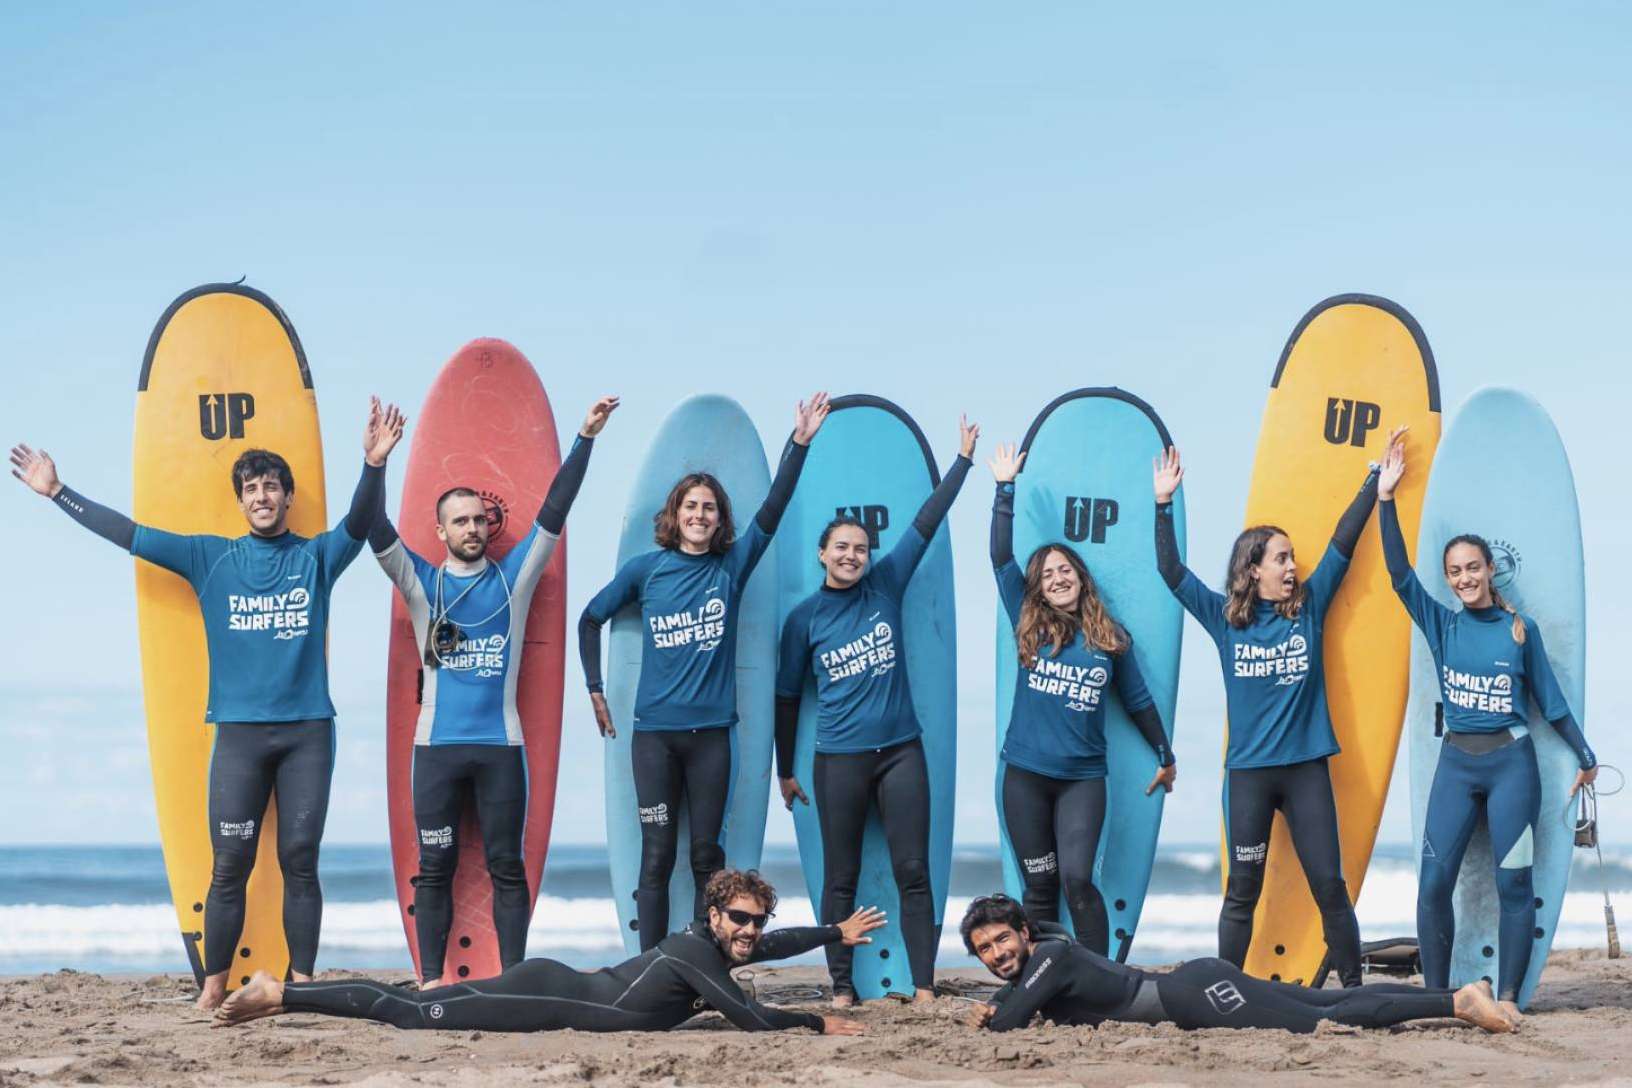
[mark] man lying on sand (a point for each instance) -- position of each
(1047, 972)
(660, 989)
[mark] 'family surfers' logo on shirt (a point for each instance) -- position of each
(872, 653)
(705, 629)
(481, 656)
(289, 614)
(1287, 661)
(1476, 691)
(1080, 685)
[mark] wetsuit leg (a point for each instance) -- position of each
(304, 775)
(844, 791)
(241, 776)
(1515, 794)
(901, 786)
(1454, 802)
(706, 768)
(500, 786)
(1028, 813)
(1079, 817)
(1311, 817)
(1211, 993)
(527, 997)
(657, 793)
(441, 778)
(1250, 800)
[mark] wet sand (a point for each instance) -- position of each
(73, 1028)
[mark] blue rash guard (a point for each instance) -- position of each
(1274, 676)
(688, 610)
(1484, 674)
(850, 639)
(469, 696)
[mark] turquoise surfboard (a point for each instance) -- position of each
(871, 460)
(1501, 471)
(1086, 484)
(703, 434)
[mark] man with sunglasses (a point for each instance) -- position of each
(1046, 972)
(660, 989)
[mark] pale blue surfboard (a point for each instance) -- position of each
(1086, 484)
(1501, 471)
(871, 460)
(703, 434)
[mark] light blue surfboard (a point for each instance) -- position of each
(703, 434)
(1086, 484)
(871, 460)
(1501, 471)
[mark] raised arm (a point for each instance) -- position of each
(895, 570)
(38, 471)
(1431, 616)
(1005, 465)
(381, 434)
(552, 516)
(1167, 473)
(808, 417)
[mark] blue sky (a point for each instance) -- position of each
(961, 207)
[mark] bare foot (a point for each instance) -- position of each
(261, 996)
(1474, 1004)
(844, 1000)
(923, 997)
(213, 992)
(1510, 1010)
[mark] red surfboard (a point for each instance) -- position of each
(486, 425)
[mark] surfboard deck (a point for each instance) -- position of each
(1354, 367)
(224, 371)
(707, 433)
(1503, 444)
(872, 461)
(486, 424)
(1086, 485)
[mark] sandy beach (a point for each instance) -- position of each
(75, 1028)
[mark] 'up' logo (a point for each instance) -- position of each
(1087, 518)
(221, 415)
(1349, 420)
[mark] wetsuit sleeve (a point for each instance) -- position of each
(110, 525)
(784, 944)
(623, 589)
(793, 661)
(1043, 978)
(552, 516)
(1549, 697)
(1137, 701)
(1334, 564)
(895, 570)
(769, 515)
(1428, 614)
(1011, 584)
(367, 502)
(714, 985)
(1205, 604)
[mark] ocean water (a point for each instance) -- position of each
(107, 909)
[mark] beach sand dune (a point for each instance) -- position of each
(73, 1028)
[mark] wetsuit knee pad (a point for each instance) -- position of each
(231, 868)
(1331, 895)
(1243, 889)
(911, 875)
(1515, 890)
(706, 856)
(298, 860)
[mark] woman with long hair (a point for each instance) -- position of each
(1267, 626)
(1071, 651)
(868, 747)
(686, 699)
(1490, 659)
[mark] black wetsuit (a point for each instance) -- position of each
(264, 601)
(1068, 984)
(659, 989)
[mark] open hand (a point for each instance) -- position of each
(864, 921)
(808, 417)
(837, 1025)
(599, 413)
(1393, 465)
(382, 432)
(1167, 474)
(1005, 463)
(36, 469)
(968, 435)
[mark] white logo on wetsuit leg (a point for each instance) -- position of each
(873, 653)
(1477, 691)
(286, 613)
(704, 628)
(1287, 661)
(436, 1012)
(1225, 997)
(245, 830)
(1045, 864)
(436, 836)
(1252, 855)
(657, 814)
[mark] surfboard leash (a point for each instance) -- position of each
(1586, 834)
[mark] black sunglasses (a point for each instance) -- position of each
(742, 917)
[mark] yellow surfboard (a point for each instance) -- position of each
(1355, 367)
(224, 372)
